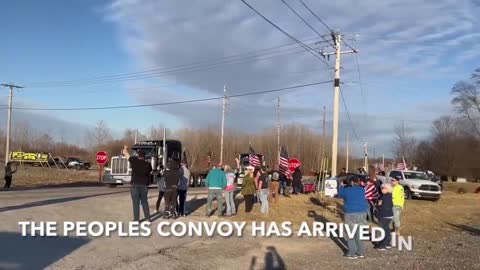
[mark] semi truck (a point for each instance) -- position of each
(157, 153)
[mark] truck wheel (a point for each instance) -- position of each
(112, 185)
(408, 194)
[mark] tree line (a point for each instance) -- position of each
(452, 147)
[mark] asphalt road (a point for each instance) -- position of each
(154, 252)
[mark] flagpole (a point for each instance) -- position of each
(278, 131)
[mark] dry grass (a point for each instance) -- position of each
(454, 186)
(421, 218)
(37, 176)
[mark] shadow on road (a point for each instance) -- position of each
(272, 260)
(465, 228)
(18, 252)
(340, 242)
(54, 201)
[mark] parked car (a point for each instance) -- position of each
(77, 163)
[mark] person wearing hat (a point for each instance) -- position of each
(355, 213)
(398, 197)
(248, 189)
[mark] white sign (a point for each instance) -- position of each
(331, 187)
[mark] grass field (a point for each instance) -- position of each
(37, 176)
(421, 218)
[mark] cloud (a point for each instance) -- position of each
(398, 39)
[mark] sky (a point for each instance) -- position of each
(74, 54)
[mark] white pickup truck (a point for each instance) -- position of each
(416, 184)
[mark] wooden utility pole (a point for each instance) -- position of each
(346, 167)
(9, 121)
(278, 132)
(223, 122)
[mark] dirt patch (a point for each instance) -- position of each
(454, 186)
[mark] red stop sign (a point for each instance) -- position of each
(293, 164)
(101, 157)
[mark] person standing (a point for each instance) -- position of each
(263, 190)
(354, 208)
(371, 195)
(161, 191)
(275, 186)
(216, 183)
(398, 198)
(248, 189)
(297, 181)
(9, 174)
(141, 170)
(385, 215)
(172, 178)
(230, 191)
(182, 188)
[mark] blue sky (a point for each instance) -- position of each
(411, 53)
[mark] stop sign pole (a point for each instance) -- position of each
(101, 159)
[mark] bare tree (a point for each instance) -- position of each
(99, 135)
(404, 144)
(466, 99)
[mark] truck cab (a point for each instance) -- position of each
(119, 171)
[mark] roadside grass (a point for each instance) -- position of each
(38, 176)
(421, 218)
(469, 187)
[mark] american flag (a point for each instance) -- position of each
(283, 166)
(402, 165)
(371, 192)
(253, 158)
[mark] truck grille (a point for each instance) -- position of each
(429, 188)
(119, 165)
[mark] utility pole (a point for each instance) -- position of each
(337, 39)
(278, 131)
(324, 133)
(365, 161)
(9, 122)
(346, 167)
(223, 122)
(383, 161)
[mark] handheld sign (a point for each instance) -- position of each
(293, 164)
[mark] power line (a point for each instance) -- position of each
(196, 66)
(349, 118)
(362, 92)
(301, 18)
(321, 21)
(306, 47)
(173, 102)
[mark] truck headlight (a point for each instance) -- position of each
(414, 186)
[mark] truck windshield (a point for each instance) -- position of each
(415, 175)
(149, 152)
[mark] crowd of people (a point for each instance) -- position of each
(172, 187)
(260, 185)
(376, 202)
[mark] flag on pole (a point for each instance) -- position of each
(253, 158)
(283, 166)
(402, 165)
(184, 158)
